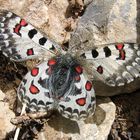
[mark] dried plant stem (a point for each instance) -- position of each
(18, 129)
(28, 116)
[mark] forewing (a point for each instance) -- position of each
(19, 40)
(80, 104)
(33, 89)
(115, 64)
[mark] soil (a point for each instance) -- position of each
(127, 122)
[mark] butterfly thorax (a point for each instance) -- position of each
(62, 75)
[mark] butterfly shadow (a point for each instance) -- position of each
(59, 123)
(100, 114)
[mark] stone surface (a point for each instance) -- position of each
(111, 21)
(96, 127)
(104, 125)
(5, 116)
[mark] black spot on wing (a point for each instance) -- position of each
(69, 109)
(2, 43)
(76, 111)
(43, 82)
(42, 41)
(89, 107)
(83, 112)
(92, 99)
(77, 92)
(14, 51)
(7, 31)
(47, 94)
(107, 51)
(41, 103)
(27, 99)
(32, 33)
(83, 55)
(1, 37)
(62, 107)
(48, 103)
(17, 57)
(33, 101)
(52, 48)
(94, 53)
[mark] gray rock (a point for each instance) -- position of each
(105, 22)
(91, 26)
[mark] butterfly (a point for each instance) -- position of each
(61, 82)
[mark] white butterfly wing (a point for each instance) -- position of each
(33, 90)
(82, 103)
(19, 40)
(115, 65)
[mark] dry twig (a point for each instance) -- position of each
(29, 116)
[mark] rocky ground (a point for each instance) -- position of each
(127, 120)
(58, 26)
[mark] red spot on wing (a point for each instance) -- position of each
(81, 101)
(33, 89)
(79, 69)
(122, 55)
(23, 22)
(120, 46)
(100, 69)
(121, 51)
(34, 71)
(77, 78)
(51, 62)
(88, 86)
(17, 29)
(30, 52)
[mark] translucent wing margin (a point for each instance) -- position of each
(115, 64)
(19, 40)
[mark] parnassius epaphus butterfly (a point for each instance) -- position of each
(61, 83)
